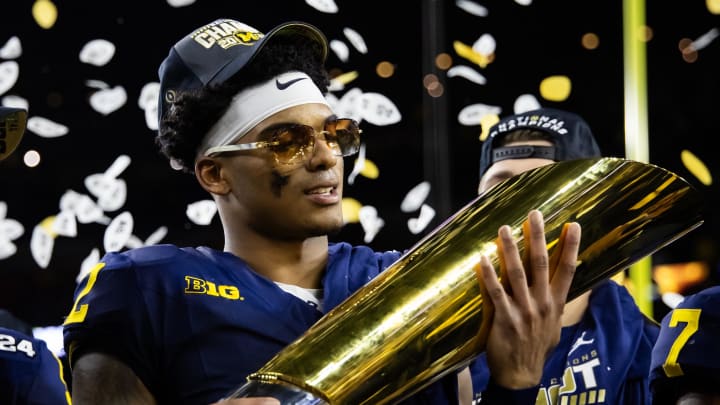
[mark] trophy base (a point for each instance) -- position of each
(287, 394)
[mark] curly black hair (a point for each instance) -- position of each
(194, 112)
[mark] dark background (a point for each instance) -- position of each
(533, 42)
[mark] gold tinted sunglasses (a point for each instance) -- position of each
(290, 144)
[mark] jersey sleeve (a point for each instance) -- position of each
(29, 372)
(109, 316)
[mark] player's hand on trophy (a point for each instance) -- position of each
(528, 301)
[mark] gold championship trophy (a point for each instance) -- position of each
(421, 318)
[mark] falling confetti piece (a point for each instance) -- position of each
(52, 336)
(341, 49)
(156, 236)
(358, 166)
(324, 6)
(705, 39)
(41, 246)
(487, 122)
(118, 232)
(97, 84)
(713, 6)
(525, 102)
(696, 167)
(64, 224)
(468, 53)
(370, 170)
(472, 7)
(7, 248)
(370, 222)
(97, 52)
(355, 39)
(524, 2)
(9, 72)
(349, 105)
(10, 230)
(485, 45)
(672, 299)
(555, 88)
(88, 264)
(417, 225)
(468, 73)
(472, 115)
(107, 101)
(149, 95)
(85, 209)
(46, 128)
(45, 13)
(377, 109)
(180, 3)
(201, 212)
(415, 197)
(14, 101)
(12, 49)
(351, 210)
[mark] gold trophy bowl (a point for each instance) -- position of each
(421, 318)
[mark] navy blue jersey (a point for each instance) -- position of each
(30, 374)
(604, 359)
(192, 323)
(686, 356)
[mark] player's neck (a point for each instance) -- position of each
(575, 309)
(300, 263)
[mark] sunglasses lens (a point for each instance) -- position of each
(347, 136)
(291, 142)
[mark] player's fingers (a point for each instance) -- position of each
(514, 270)
(492, 287)
(538, 255)
(567, 262)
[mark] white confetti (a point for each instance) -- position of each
(84, 208)
(525, 102)
(472, 7)
(97, 52)
(109, 100)
(7, 248)
(349, 105)
(97, 84)
(417, 225)
(370, 222)
(12, 49)
(672, 299)
(355, 39)
(415, 197)
(156, 236)
(201, 212)
(324, 6)
(87, 264)
(472, 114)
(377, 109)
(705, 39)
(149, 95)
(118, 232)
(65, 224)
(10, 230)
(358, 166)
(46, 128)
(468, 73)
(41, 246)
(524, 2)
(14, 101)
(53, 338)
(9, 72)
(180, 3)
(341, 49)
(485, 45)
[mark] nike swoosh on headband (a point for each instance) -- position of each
(283, 86)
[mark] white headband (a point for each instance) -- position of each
(251, 106)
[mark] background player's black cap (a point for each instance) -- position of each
(213, 53)
(570, 134)
(12, 127)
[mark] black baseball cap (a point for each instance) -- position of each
(13, 122)
(571, 136)
(213, 53)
